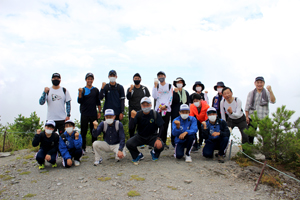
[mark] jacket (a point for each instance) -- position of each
(189, 125)
(220, 126)
(202, 116)
(49, 145)
(67, 142)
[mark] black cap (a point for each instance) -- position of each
(137, 74)
(112, 72)
(161, 72)
(260, 78)
(221, 84)
(89, 75)
(56, 75)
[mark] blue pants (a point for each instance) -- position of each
(179, 147)
(220, 144)
(75, 153)
(41, 154)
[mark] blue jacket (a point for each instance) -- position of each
(189, 125)
(220, 126)
(67, 142)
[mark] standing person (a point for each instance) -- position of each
(232, 106)
(218, 98)
(88, 98)
(134, 95)
(180, 96)
(113, 135)
(184, 129)
(48, 141)
(148, 121)
(198, 87)
(198, 110)
(216, 135)
(70, 145)
(56, 98)
(258, 100)
(162, 93)
(114, 95)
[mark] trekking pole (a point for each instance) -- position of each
(4, 141)
(262, 171)
(230, 150)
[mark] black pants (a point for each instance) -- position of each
(75, 153)
(188, 143)
(84, 124)
(60, 126)
(131, 131)
(250, 138)
(241, 124)
(138, 140)
(198, 144)
(164, 134)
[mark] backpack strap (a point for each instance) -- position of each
(117, 125)
(104, 126)
(64, 89)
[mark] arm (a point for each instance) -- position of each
(121, 137)
(68, 108)
(271, 95)
(205, 132)
(175, 97)
(55, 147)
(170, 97)
(102, 93)
(247, 107)
(98, 131)
(161, 130)
(154, 92)
(80, 97)
(43, 98)
(222, 110)
(122, 99)
(224, 131)
(147, 92)
(176, 131)
(206, 98)
(238, 111)
(63, 149)
(36, 140)
(188, 100)
(128, 95)
(78, 142)
(212, 103)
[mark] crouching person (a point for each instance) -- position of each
(48, 141)
(70, 145)
(184, 129)
(113, 135)
(147, 121)
(216, 135)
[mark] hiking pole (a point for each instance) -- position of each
(261, 173)
(4, 141)
(230, 150)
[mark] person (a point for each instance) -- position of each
(184, 128)
(56, 98)
(198, 110)
(198, 87)
(148, 121)
(114, 95)
(218, 98)
(258, 100)
(70, 145)
(162, 93)
(216, 135)
(88, 98)
(232, 106)
(113, 135)
(180, 97)
(134, 95)
(48, 141)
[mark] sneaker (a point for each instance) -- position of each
(54, 165)
(142, 146)
(154, 158)
(188, 159)
(140, 157)
(83, 151)
(76, 163)
(42, 166)
(221, 159)
(98, 162)
(195, 149)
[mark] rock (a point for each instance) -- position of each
(6, 154)
(114, 184)
(219, 172)
(80, 178)
(188, 181)
(58, 184)
(80, 187)
(253, 169)
(280, 192)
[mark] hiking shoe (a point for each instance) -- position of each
(166, 147)
(98, 162)
(154, 158)
(42, 166)
(188, 159)
(221, 159)
(195, 149)
(140, 157)
(76, 163)
(54, 165)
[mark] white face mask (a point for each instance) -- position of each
(69, 130)
(212, 118)
(184, 116)
(219, 90)
(109, 121)
(179, 85)
(47, 131)
(197, 104)
(199, 89)
(112, 79)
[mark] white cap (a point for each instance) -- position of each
(50, 122)
(184, 107)
(146, 99)
(70, 121)
(211, 110)
(109, 112)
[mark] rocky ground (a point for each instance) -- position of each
(167, 178)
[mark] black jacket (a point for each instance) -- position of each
(49, 145)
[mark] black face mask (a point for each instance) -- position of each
(137, 82)
(55, 82)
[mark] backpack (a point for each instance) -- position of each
(157, 90)
(64, 90)
(117, 124)
(143, 88)
(108, 88)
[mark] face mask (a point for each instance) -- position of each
(161, 80)
(55, 82)
(137, 82)
(47, 131)
(112, 79)
(179, 85)
(69, 130)
(199, 89)
(219, 90)
(197, 104)
(146, 110)
(109, 121)
(184, 116)
(212, 118)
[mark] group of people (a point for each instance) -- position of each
(148, 125)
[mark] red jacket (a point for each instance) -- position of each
(202, 116)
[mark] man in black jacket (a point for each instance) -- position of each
(48, 141)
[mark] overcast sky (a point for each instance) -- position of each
(210, 41)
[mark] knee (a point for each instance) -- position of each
(179, 155)
(207, 153)
(225, 139)
(130, 144)
(39, 156)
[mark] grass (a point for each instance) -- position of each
(133, 193)
(18, 158)
(270, 180)
(119, 174)
(173, 188)
(29, 195)
(104, 178)
(137, 178)
(18, 170)
(25, 173)
(241, 160)
(84, 157)
(34, 181)
(1, 191)
(28, 156)
(44, 172)
(5, 177)
(25, 162)
(7, 172)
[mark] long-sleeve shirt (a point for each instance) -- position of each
(88, 101)
(49, 145)
(236, 106)
(111, 136)
(188, 125)
(163, 96)
(67, 142)
(134, 97)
